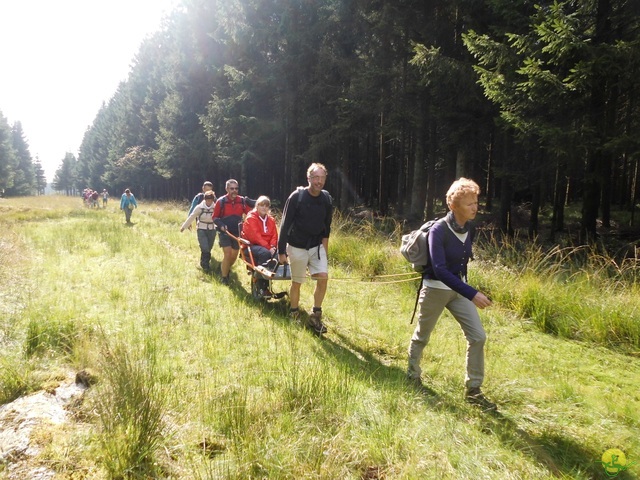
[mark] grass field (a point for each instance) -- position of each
(196, 380)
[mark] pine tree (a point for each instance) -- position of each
(65, 178)
(24, 181)
(8, 157)
(41, 179)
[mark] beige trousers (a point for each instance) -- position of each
(432, 303)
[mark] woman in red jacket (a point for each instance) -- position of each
(260, 229)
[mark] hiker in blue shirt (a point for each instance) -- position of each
(127, 204)
(197, 200)
(444, 285)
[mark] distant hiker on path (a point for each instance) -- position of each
(94, 199)
(304, 241)
(127, 204)
(444, 285)
(105, 197)
(203, 214)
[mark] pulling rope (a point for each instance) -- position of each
(392, 275)
(365, 279)
(373, 278)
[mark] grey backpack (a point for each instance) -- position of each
(415, 247)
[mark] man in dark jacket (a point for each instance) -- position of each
(304, 240)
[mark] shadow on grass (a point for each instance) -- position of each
(275, 309)
(562, 456)
(362, 361)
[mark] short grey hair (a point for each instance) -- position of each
(316, 166)
(460, 188)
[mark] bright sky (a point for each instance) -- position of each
(60, 60)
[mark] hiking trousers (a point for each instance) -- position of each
(206, 239)
(432, 303)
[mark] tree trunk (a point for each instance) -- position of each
(634, 189)
(595, 161)
(559, 199)
(535, 211)
(430, 206)
(382, 197)
(489, 184)
(506, 194)
(344, 181)
(418, 186)
(506, 188)
(607, 164)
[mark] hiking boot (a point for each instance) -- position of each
(475, 397)
(224, 280)
(315, 322)
(294, 315)
(205, 261)
(415, 382)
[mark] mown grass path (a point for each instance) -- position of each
(198, 381)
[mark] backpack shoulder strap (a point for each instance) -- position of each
(415, 307)
(202, 211)
(196, 200)
(327, 197)
(299, 191)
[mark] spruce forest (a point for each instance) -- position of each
(537, 101)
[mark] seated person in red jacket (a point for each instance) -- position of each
(260, 229)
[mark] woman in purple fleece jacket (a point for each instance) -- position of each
(444, 285)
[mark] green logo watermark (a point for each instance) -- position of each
(614, 461)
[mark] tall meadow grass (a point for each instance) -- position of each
(130, 409)
(574, 292)
(196, 380)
